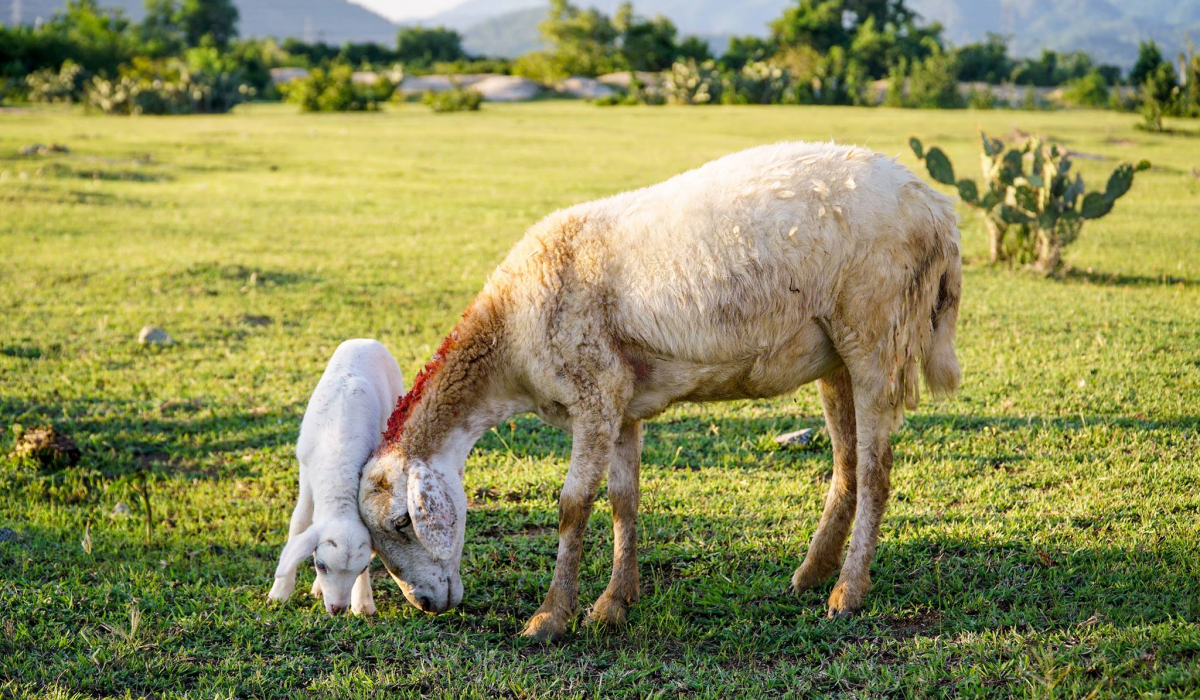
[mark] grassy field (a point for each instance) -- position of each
(1043, 539)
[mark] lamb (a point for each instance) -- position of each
(745, 278)
(342, 425)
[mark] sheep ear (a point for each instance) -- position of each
(295, 551)
(432, 511)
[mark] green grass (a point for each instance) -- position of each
(1042, 539)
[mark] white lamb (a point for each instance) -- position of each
(343, 423)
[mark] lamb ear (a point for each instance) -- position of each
(432, 511)
(296, 549)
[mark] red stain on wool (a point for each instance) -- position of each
(408, 402)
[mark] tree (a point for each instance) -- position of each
(986, 61)
(645, 44)
(424, 47)
(171, 25)
(694, 48)
(745, 49)
(814, 23)
(583, 42)
(209, 22)
(1148, 60)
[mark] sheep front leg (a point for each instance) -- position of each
(829, 540)
(592, 447)
(613, 605)
(874, 484)
(302, 514)
(361, 600)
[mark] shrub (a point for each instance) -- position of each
(758, 83)
(1090, 90)
(1030, 205)
(691, 83)
(981, 99)
(456, 99)
(933, 85)
(202, 82)
(1160, 96)
(63, 85)
(332, 89)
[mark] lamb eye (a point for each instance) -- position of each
(402, 522)
(321, 567)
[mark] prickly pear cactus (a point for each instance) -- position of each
(1031, 204)
(691, 83)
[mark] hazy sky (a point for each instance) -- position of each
(408, 9)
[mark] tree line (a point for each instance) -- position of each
(816, 51)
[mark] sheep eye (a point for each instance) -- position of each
(402, 522)
(321, 567)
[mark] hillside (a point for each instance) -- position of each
(333, 21)
(508, 35)
(1108, 29)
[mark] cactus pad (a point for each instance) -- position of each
(939, 166)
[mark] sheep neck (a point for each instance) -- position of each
(448, 403)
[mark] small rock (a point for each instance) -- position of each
(120, 509)
(53, 148)
(47, 447)
(7, 534)
(153, 335)
(799, 437)
(31, 150)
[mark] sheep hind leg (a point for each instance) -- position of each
(829, 540)
(612, 607)
(874, 419)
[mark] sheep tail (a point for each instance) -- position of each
(939, 365)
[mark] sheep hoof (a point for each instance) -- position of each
(366, 609)
(804, 579)
(316, 589)
(846, 599)
(608, 612)
(544, 627)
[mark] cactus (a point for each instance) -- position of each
(691, 83)
(1031, 203)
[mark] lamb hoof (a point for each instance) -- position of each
(281, 590)
(365, 610)
(543, 627)
(846, 599)
(316, 589)
(608, 612)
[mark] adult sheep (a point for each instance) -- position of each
(745, 278)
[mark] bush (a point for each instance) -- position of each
(933, 85)
(453, 100)
(758, 83)
(981, 99)
(691, 83)
(63, 85)
(1160, 96)
(1090, 90)
(1030, 205)
(202, 82)
(332, 89)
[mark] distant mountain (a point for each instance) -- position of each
(1108, 29)
(332, 21)
(505, 36)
